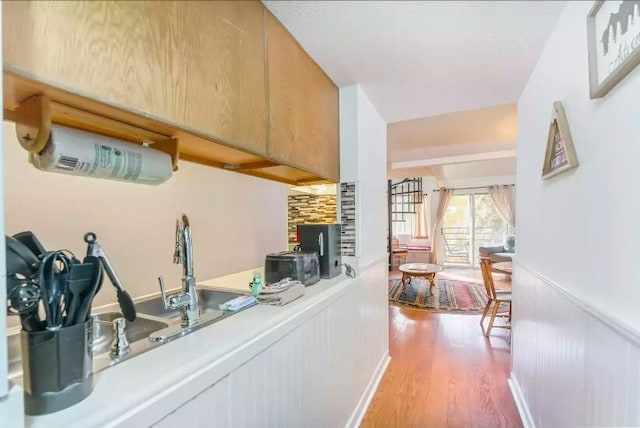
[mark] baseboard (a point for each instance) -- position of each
(521, 404)
(361, 409)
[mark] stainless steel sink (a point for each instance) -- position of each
(152, 318)
(137, 333)
(209, 302)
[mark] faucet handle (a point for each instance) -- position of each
(163, 292)
(174, 301)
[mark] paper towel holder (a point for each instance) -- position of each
(35, 115)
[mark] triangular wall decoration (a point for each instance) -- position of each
(560, 155)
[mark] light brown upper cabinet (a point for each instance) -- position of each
(303, 107)
(197, 65)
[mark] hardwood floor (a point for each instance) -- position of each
(444, 373)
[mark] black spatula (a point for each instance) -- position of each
(84, 306)
(78, 286)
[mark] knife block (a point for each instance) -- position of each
(57, 367)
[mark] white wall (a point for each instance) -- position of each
(235, 219)
(580, 228)
(578, 234)
(363, 158)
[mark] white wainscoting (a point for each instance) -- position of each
(322, 374)
(572, 366)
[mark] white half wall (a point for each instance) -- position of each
(579, 231)
(321, 373)
(236, 219)
(572, 366)
(363, 159)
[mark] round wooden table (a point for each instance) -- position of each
(419, 270)
(503, 267)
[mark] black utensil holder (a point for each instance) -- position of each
(58, 367)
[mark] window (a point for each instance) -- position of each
(402, 223)
(471, 221)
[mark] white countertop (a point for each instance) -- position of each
(237, 282)
(139, 391)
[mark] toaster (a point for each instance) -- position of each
(297, 265)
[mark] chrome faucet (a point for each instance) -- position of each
(187, 299)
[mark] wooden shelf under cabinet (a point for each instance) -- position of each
(76, 111)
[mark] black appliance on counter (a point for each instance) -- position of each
(297, 265)
(325, 239)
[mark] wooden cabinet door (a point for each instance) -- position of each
(303, 107)
(197, 65)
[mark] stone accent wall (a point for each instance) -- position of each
(348, 218)
(309, 209)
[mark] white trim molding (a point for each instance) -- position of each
(521, 404)
(363, 405)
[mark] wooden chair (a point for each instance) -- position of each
(495, 297)
(398, 252)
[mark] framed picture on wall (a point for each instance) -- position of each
(613, 31)
(560, 155)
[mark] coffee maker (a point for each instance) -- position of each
(324, 239)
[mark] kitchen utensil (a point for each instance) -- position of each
(84, 305)
(23, 295)
(23, 298)
(126, 303)
(20, 259)
(30, 321)
(78, 285)
(52, 275)
(24, 301)
(31, 241)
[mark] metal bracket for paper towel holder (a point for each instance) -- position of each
(35, 115)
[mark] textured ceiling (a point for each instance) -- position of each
(423, 58)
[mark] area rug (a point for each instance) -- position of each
(448, 296)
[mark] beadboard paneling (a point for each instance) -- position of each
(316, 376)
(572, 365)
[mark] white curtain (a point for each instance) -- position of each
(436, 242)
(503, 199)
(422, 220)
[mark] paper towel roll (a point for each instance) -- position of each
(75, 152)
